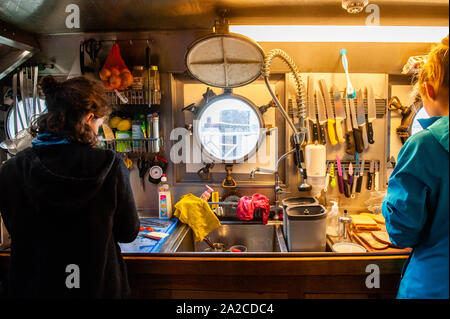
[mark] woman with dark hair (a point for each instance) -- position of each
(67, 204)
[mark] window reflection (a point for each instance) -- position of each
(229, 129)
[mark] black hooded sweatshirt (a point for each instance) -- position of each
(66, 208)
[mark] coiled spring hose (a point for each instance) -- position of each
(299, 135)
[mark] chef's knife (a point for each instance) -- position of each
(350, 145)
(330, 112)
(370, 175)
(357, 134)
(360, 177)
(340, 114)
(371, 113)
(312, 110)
(361, 117)
(322, 116)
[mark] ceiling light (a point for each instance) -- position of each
(354, 6)
(340, 33)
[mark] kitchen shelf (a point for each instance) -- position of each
(132, 146)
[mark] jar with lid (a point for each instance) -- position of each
(155, 91)
(138, 77)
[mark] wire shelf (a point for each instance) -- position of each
(130, 146)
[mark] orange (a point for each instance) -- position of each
(115, 81)
(127, 79)
(105, 73)
(115, 71)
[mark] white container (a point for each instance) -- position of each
(164, 199)
(307, 228)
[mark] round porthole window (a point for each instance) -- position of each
(14, 125)
(228, 128)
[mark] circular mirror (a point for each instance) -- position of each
(225, 60)
(229, 128)
(21, 117)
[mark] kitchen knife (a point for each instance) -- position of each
(332, 179)
(322, 116)
(371, 113)
(361, 117)
(330, 112)
(350, 145)
(327, 178)
(370, 175)
(340, 178)
(345, 181)
(377, 177)
(312, 111)
(360, 177)
(350, 174)
(340, 114)
(357, 134)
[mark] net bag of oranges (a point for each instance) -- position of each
(115, 74)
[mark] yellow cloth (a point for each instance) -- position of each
(196, 213)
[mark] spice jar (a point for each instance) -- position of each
(138, 77)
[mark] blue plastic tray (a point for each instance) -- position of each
(146, 245)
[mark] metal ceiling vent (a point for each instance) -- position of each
(353, 6)
(223, 59)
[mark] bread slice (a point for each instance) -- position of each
(362, 228)
(382, 237)
(378, 218)
(370, 240)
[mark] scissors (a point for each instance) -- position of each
(143, 167)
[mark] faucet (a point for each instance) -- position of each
(278, 188)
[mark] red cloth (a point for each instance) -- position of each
(247, 206)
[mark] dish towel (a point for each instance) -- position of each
(247, 206)
(196, 213)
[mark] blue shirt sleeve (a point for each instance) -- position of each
(404, 207)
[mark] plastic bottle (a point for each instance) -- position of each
(164, 199)
(136, 130)
(207, 193)
(333, 225)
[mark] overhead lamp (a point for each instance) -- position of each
(353, 6)
(341, 33)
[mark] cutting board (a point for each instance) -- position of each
(147, 245)
(356, 240)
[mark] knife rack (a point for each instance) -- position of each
(380, 104)
(346, 164)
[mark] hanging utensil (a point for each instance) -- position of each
(350, 145)
(322, 116)
(312, 111)
(14, 106)
(330, 113)
(360, 177)
(361, 117)
(357, 134)
(370, 175)
(340, 114)
(371, 113)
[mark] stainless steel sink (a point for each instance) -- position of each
(255, 236)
